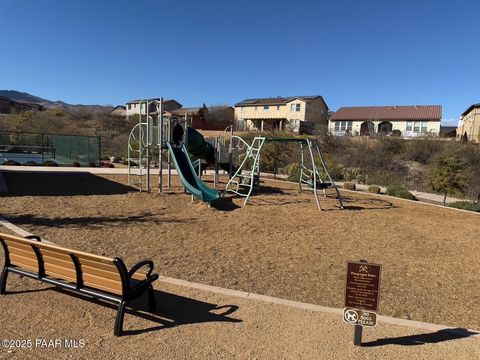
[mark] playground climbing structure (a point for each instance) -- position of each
(313, 170)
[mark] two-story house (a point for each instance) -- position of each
(407, 121)
(136, 107)
(301, 114)
(469, 126)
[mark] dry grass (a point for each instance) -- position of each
(279, 245)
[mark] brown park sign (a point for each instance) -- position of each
(363, 286)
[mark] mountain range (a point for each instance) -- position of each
(29, 98)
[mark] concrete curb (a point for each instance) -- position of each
(14, 228)
(313, 307)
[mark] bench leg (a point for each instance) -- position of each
(3, 280)
(119, 319)
(151, 299)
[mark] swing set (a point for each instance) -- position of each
(247, 176)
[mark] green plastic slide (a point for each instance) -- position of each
(188, 177)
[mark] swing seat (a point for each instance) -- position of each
(320, 185)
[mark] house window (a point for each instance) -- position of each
(295, 107)
(241, 110)
(343, 125)
(278, 107)
(424, 126)
(129, 106)
(417, 126)
(265, 108)
(256, 108)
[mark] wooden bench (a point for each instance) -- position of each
(97, 276)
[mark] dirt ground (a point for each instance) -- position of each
(192, 324)
(279, 245)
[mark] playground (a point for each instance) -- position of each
(279, 244)
(247, 237)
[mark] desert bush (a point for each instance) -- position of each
(422, 150)
(465, 205)
(351, 173)
(400, 192)
(30, 163)
(76, 164)
(349, 186)
(391, 145)
(11, 163)
(293, 172)
(49, 163)
(374, 189)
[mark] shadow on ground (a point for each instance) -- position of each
(92, 222)
(172, 310)
(422, 339)
(366, 204)
(61, 184)
(225, 204)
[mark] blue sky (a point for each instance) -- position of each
(353, 53)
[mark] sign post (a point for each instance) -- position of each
(361, 296)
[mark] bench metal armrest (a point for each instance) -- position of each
(33, 237)
(139, 265)
(143, 284)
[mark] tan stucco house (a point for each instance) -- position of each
(469, 125)
(135, 107)
(295, 113)
(410, 121)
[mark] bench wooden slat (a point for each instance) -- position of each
(60, 272)
(24, 252)
(17, 245)
(58, 262)
(55, 254)
(99, 265)
(100, 273)
(103, 284)
(24, 262)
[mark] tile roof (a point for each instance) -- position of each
(413, 112)
(275, 100)
(183, 111)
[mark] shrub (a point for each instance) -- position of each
(49, 163)
(11, 163)
(400, 192)
(349, 186)
(422, 150)
(465, 205)
(351, 173)
(396, 133)
(293, 172)
(30, 163)
(392, 145)
(374, 189)
(76, 164)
